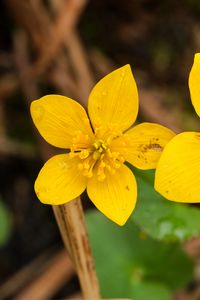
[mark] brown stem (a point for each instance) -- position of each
(70, 219)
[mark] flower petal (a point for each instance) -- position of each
(59, 119)
(60, 181)
(115, 196)
(143, 144)
(194, 83)
(114, 100)
(178, 171)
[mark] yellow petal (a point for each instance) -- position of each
(59, 119)
(194, 83)
(114, 100)
(115, 196)
(178, 171)
(60, 181)
(143, 144)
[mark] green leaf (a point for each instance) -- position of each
(160, 218)
(150, 290)
(5, 224)
(130, 264)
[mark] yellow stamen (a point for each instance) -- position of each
(98, 154)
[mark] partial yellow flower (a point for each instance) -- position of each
(98, 146)
(178, 171)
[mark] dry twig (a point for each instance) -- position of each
(25, 275)
(50, 281)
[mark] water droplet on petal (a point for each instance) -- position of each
(104, 93)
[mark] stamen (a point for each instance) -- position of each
(101, 171)
(88, 172)
(84, 154)
(97, 154)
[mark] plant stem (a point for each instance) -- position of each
(70, 219)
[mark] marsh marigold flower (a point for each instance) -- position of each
(178, 171)
(99, 145)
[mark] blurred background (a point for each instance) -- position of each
(65, 47)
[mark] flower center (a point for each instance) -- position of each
(96, 156)
(99, 149)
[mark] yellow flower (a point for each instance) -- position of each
(178, 171)
(98, 147)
